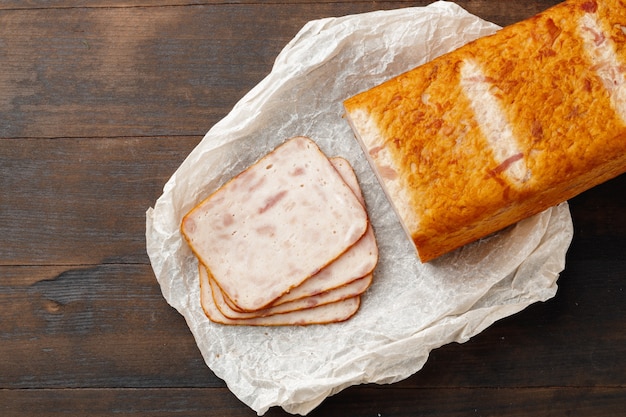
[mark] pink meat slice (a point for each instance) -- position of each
(276, 224)
(350, 290)
(355, 263)
(324, 314)
(358, 261)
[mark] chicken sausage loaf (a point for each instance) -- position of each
(501, 128)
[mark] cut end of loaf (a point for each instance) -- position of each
(386, 169)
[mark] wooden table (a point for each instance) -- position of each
(100, 101)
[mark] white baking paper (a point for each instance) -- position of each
(411, 308)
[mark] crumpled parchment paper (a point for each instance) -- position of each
(411, 308)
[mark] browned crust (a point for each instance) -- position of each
(570, 136)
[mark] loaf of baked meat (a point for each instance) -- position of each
(501, 128)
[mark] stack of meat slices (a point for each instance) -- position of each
(285, 242)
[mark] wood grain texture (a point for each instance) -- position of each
(82, 201)
(100, 102)
(128, 71)
(93, 326)
(366, 402)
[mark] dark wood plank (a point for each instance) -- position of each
(129, 71)
(108, 326)
(519, 402)
(186, 402)
(498, 11)
(361, 402)
(135, 71)
(82, 201)
(93, 326)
